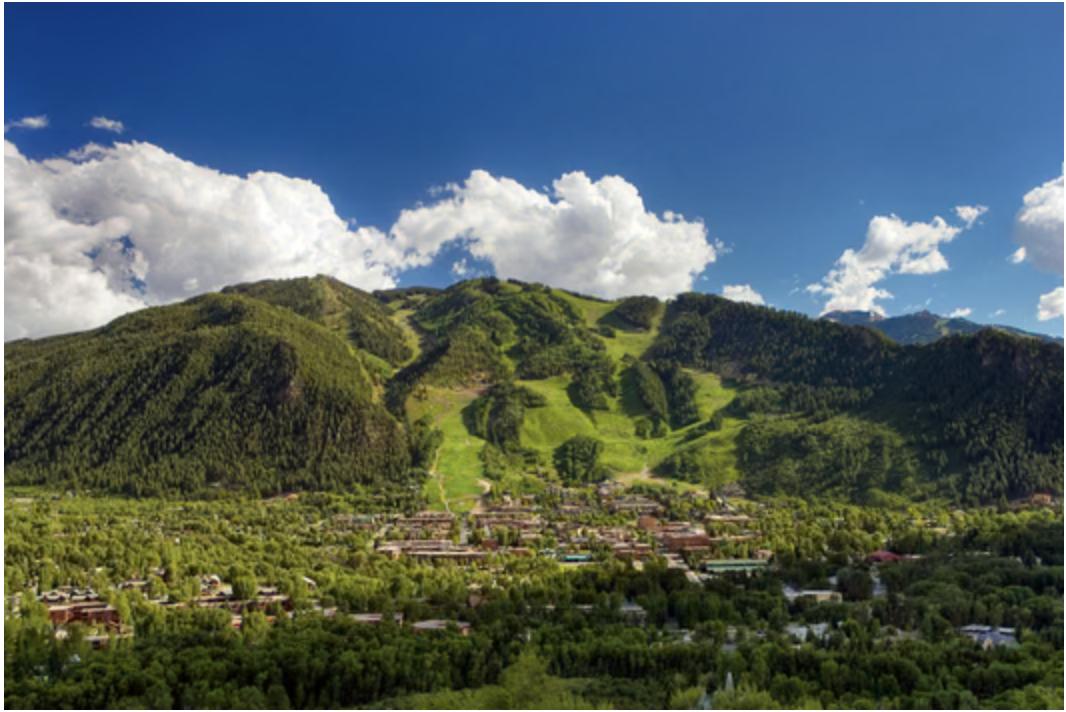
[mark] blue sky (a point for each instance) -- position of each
(784, 136)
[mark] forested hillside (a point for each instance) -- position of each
(311, 383)
(358, 316)
(222, 389)
(923, 327)
(977, 417)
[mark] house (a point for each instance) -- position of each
(882, 557)
(633, 613)
(686, 542)
(989, 637)
(821, 596)
(87, 613)
(628, 550)
(439, 626)
(1043, 498)
(375, 618)
(635, 505)
(744, 567)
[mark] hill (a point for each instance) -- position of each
(923, 327)
(222, 389)
(977, 417)
(358, 316)
(489, 383)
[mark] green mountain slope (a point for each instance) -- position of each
(220, 389)
(923, 328)
(291, 384)
(351, 312)
(977, 416)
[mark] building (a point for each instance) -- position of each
(989, 637)
(440, 626)
(686, 542)
(633, 613)
(86, 613)
(635, 505)
(1042, 499)
(375, 618)
(882, 557)
(743, 567)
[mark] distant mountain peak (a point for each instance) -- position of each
(853, 318)
(922, 327)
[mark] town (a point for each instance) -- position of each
(705, 538)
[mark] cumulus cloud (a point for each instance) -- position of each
(102, 122)
(109, 230)
(459, 269)
(1051, 306)
(742, 293)
(892, 247)
(969, 213)
(1038, 227)
(960, 313)
(999, 312)
(596, 237)
(30, 122)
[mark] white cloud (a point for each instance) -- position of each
(102, 122)
(1018, 256)
(960, 313)
(1051, 305)
(1038, 227)
(596, 237)
(742, 293)
(969, 213)
(30, 122)
(459, 269)
(892, 247)
(190, 229)
(998, 312)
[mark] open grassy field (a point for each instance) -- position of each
(547, 428)
(459, 466)
(458, 463)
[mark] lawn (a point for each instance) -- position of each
(546, 428)
(459, 462)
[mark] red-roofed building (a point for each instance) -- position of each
(882, 557)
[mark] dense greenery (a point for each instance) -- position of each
(842, 458)
(530, 646)
(594, 385)
(577, 461)
(463, 358)
(497, 417)
(667, 392)
(326, 301)
(651, 389)
(983, 412)
(188, 399)
(221, 390)
(637, 312)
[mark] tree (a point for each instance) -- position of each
(577, 461)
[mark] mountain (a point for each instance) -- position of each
(358, 316)
(219, 389)
(314, 384)
(923, 327)
(856, 414)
